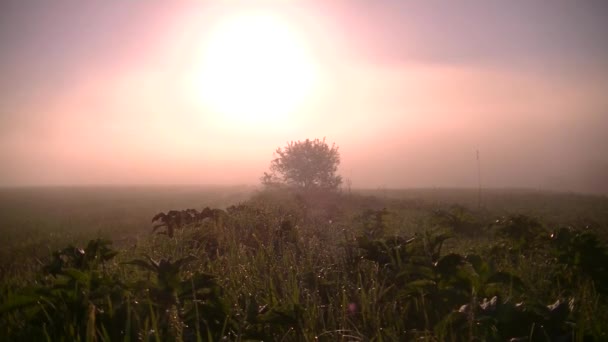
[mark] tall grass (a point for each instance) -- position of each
(284, 267)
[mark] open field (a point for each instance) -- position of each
(40, 219)
(374, 265)
(399, 171)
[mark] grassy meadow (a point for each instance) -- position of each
(83, 264)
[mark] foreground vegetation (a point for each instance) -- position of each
(285, 266)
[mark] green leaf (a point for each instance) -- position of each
(77, 275)
(202, 280)
(143, 264)
(476, 261)
(282, 315)
(507, 279)
(417, 287)
(448, 265)
(16, 302)
(415, 271)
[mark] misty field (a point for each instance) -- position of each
(377, 169)
(276, 265)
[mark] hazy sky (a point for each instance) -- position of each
(105, 92)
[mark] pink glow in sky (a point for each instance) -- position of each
(102, 92)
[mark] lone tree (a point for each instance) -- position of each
(307, 165)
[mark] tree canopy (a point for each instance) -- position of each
(307, 165)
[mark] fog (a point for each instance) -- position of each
(101, 92)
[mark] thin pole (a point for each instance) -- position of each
(478, 182)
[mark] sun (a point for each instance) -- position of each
(255, 69)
